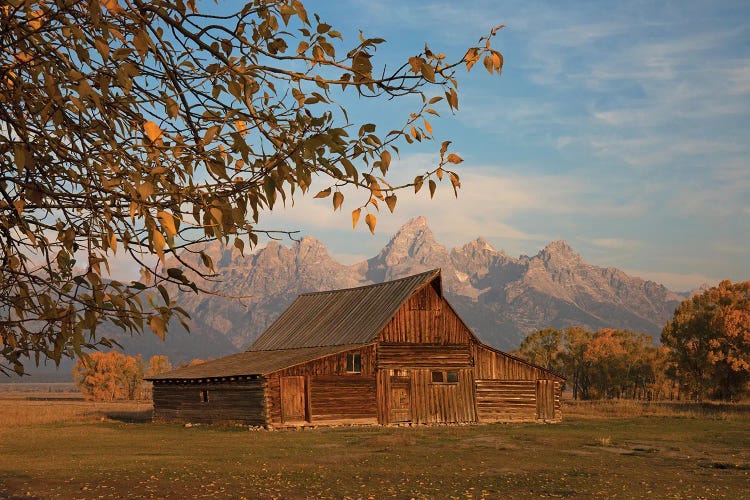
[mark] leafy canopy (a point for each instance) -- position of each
(137, 128)
(709, 338)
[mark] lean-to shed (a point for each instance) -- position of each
(387, 353)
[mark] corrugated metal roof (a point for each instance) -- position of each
(339, 317)
(251, 363)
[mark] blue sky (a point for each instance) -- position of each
(621, 127)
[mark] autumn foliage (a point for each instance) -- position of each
(705, 352)
(108, 376)
(139, 129)
(709, 341)
(608, 363)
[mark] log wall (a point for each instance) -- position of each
(337, 397)
(229, 401)
(503, 400)
(426, 319)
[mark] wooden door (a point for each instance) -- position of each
(400, 399)
(545, 399)
(292, 399)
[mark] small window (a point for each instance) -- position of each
(444, 377)
(354, 363)
(204, 396)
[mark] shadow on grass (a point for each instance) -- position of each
(130, 417)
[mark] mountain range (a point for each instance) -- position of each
(500, 297)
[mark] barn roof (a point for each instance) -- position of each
(251, 363)
(340, 317)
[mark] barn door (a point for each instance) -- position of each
(545, 399)
(292, 399)
(400, 399)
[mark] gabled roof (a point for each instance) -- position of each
(340, 317)
(251, 363)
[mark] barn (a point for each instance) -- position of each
(389, 353)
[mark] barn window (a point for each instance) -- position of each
(444, 377)
(354, 363)
(204, 396)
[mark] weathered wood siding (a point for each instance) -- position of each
(494, 365)
(321, 388)
(228, 401)
(430, 402)
(423, 356)
(425, 318)
(558, 400)
(504, 400)
(342, 397)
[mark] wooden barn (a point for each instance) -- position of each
(389, 353)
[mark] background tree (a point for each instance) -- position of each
(108, 376)
(544, 348)
(709, 339)
(136, 127)
(158, 365)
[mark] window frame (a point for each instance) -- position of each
(354, 362)
(204, 396)
(445, 377)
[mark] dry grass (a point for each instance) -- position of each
(626, 408)
(74, 449)
(22, 409)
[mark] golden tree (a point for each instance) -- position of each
(709, 341)
(158, 365)
(108, 376)
(133, 127)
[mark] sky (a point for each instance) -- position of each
(622, 127)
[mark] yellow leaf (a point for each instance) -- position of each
(111, 5)
(371, 220)
(418, 180)
(454, 180)
(157, 240)
(454, 158)
(112, 241)
(338, 199)
(385, 161)
(355, 217)
(428, 127)
(158, 326)
(209, 136)
(391, 202)
(439, 173)
(153, 132)
(145, 190)
(167, 222)
(324, 193)
(497, 61)
(241, 127)
(432, 186)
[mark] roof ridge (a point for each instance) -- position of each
(371, 285)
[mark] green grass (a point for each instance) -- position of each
(583, 456)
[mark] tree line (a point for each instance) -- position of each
(704, 353)
(112, 376)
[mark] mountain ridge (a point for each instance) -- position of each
(502, 298)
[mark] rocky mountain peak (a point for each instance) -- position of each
(559, 250)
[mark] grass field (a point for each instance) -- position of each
(73, 449)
